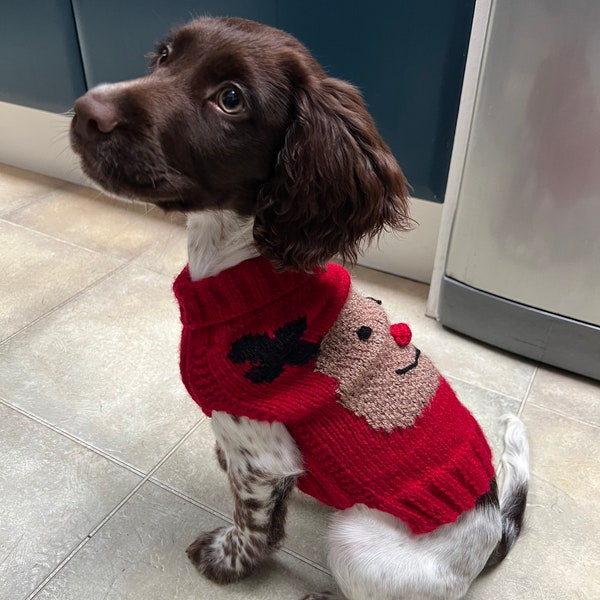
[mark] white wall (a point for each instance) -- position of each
(38, 141)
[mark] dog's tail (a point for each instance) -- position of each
(513, 496)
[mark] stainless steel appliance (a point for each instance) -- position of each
(523, 263)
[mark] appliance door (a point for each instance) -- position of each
(523, 268)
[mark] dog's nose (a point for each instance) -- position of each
(94, 115)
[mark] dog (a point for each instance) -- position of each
(280, 168)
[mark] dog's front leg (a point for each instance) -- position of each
(262, 466)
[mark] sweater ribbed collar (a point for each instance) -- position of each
(234, 292)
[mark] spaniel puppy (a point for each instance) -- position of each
(280, 168)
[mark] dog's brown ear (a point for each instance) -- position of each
(335, 183)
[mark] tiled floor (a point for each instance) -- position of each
(107, 469)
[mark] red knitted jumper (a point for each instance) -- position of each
(263, 345)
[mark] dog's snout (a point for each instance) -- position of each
(95, 115)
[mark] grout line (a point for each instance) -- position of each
(56, 569)
(61, 240)
(72, 438)
(83, 542)
(487, 389)
(121, 463)
(145, 479)
(306, 560)
(527, 391)
(564, 415)
(119, 203)
(209, 509)
(175, 492)
(75, 296)
(40, 195)
(176, 447)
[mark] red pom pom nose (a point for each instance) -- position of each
(401, 333)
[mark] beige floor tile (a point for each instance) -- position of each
(557, 556)
(568, 394)
(566, 454)
(454, 355)
(39, 273)
(140, 555)
(167, 254)
(307, 527)
(54, 492)
(488, 408)
(193, 470)
(19, 188)
(88, 218)
(105, 368)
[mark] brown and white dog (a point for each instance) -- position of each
(239, 127)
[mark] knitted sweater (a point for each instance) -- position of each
(374, 421)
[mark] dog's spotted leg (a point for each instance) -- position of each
(262, 465)
(221, 459)
(230, 553)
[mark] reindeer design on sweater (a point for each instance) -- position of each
(375, 422)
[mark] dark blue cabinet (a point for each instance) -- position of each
(40, 63)
(407, 57)
(115, 36)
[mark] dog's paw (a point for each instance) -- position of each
(219, 557)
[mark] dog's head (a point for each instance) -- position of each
(237, 115)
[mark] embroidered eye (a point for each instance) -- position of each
(364, 333)
(231, 101)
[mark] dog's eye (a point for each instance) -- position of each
(162, 55)
(231, 101)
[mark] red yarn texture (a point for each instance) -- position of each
(249, 345)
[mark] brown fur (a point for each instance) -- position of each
(304, 157)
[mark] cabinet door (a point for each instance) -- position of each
(40, 64)
(115, 36)
(408, 58)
